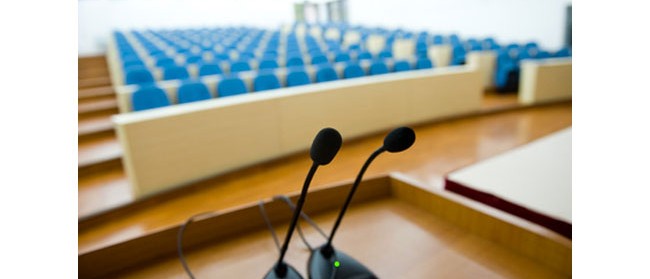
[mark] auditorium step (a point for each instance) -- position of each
(96, 92)
(99, 107)
(94, 82)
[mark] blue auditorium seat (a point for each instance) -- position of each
(266, 81)
(192, 91)
(294, 61)
(564, 52)
(245, 56)
(240, 66)
(148, 97)
(342, 57)
(364, 55)
(231, 86)
(378, 68)
(137, 75)
(401, 66)
(297, 76)
(326, 73)
(385, 54)
(193, 59)
(268, 64)
(132, 62)
(423, 63)
(319, 59)
(353, 70)
(458, 55)
(207, 69)
(175, 72)
(165, 61)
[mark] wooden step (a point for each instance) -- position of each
(95, 72)
(95, 92)
(94, 82)
(98, 107)
(99, 153)
(95, 126)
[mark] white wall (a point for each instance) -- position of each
(506, 20)
(98, 18)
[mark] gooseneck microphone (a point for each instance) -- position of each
(323, 149)
(325, 261)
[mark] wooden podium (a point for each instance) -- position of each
(394, 227)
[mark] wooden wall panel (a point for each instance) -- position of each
(545, 80)
(172, 146)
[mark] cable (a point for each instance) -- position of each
(302, 214)
(267, 221)
(268, 224)
(179, 242)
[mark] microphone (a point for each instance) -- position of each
(327, 262)
(323, 149)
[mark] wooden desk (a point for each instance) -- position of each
(393, 226)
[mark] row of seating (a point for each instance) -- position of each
(231, 50)
(506, 75)
(181, 45)
(149, 96)
(139, 73)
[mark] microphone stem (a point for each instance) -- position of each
(357, 181)
(296, 212)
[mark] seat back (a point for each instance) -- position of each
(326, 73)
(240, 66)
(423, 63)
(342, 57)
(353, 70)
(297, 77)
(266, 81)
(149, 97)
(295, 61)
(209, 69)
(378, 68)
(137, 75)
(319, 59)
(364, 56)
(231, 86)
(401, 66)
(268, 64)
(192, 91)
(165, 61)
(193, 59)
(175, 72)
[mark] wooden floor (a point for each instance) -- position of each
(108, 213)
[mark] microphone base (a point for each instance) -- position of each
(322, 265)
(291, 273)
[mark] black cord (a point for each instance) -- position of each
(179, 242)
(267, 221)
(302, 214)
(268, 224)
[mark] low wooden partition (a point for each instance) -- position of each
(394, 227)
(169, 147)
(485, 61)
(545, 80)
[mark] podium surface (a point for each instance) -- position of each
(394, 227)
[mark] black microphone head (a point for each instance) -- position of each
(399, 139)
(325, 146)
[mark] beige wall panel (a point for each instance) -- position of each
(440, 55)
(355, 108)
(177, 149)
(485, 61)
(456, 92)
(545, 80)
(168, 147)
